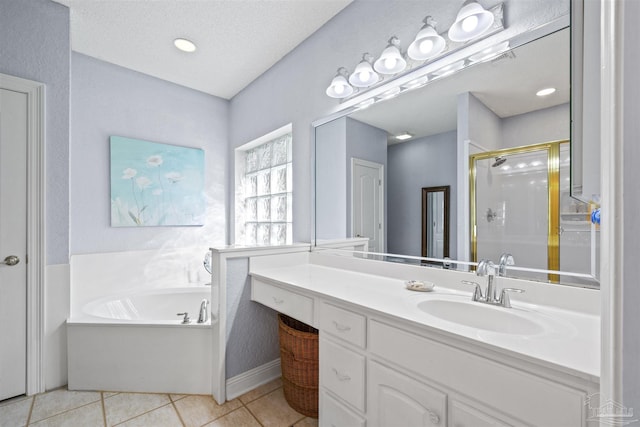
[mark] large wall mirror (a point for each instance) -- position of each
(481, 119)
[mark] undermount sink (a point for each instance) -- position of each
(481, 316)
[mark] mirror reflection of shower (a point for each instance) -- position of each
(521, 204)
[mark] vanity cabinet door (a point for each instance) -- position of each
(462, 415)
(399, 401)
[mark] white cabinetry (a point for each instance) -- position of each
(377, 370)
(398, 400)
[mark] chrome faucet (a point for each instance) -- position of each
(204, 313)
(505, 260)
(488, 269)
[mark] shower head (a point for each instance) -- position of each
(499, 160)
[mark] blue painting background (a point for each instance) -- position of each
(154, 184)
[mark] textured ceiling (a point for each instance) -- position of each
(237, 39)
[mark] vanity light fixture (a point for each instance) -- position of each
(364, 75)
(472, 20)
(449, 69)
(365, 104)
(416, 83)
(404, 136)
(340, 87)
(546, 91)
(490, 53)
(184, 45)
(390, 93)
(427, 43)
(391, 60)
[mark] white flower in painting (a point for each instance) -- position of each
(143, 182)
(129, 173)
(155, 160)
(174, 177)
(157, 192)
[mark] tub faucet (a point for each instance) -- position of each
(204, 313)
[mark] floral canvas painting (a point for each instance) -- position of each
(155, 184)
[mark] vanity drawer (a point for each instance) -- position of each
(282, 300)
(342, 372)
(534, 400)
(343, 324)
(335, 414)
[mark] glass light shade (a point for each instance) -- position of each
(427, 44)
(390, 61)
(363, 75)
(472, 21)
(339, 87)
(449, 69)
(490, 53)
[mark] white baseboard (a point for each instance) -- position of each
(247, 381)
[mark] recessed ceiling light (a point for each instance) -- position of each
(404, 136)
(185, 45)
(546, 91)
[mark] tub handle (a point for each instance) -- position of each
(186, 319)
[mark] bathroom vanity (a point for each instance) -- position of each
(393, 357)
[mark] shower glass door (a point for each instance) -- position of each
(514, 206)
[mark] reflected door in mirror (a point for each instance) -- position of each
(435, 222)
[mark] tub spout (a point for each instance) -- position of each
(204, 312)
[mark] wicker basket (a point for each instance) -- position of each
(299, 361)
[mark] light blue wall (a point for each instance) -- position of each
(252, 329)
(425, 162)
(331, 193)
(110, 100)
(34, 44)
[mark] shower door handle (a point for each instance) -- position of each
(11, 260)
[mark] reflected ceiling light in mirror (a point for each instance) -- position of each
(365, 104)
(390, 93)
(472, 20)
(416, 83)
(403, 136)
(184, 45)
(449, 69)
(427, 43)
(546, 91)
(340, 87)
(364, 75)
(391, 60)
(536, 163)
(490, 53)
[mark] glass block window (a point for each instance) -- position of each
(266, 197)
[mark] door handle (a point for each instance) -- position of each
(11, 260)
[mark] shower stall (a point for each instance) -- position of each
(520, 204)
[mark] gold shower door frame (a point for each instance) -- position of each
(553, 190)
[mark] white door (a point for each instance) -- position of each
(13, 243)
(367, 202)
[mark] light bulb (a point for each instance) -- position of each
(365, 75)
(470, 23)
(339, 89)
(426, 46)
(390, 63)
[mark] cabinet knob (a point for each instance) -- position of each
(277, 301)
(435, 419)
(341, 377)
(340, 327)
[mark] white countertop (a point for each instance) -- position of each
(569, 339)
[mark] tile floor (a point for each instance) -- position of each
(262, 407)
